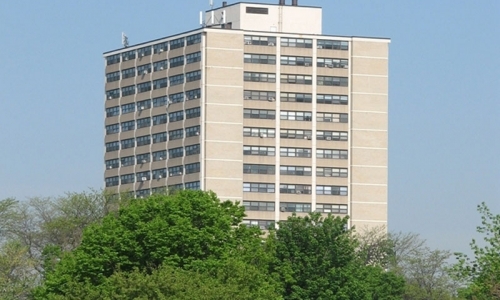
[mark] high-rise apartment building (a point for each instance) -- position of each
(258, 106)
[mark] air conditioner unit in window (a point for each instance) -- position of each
(162, 67)
(270, 99)
(144, 178)
(145, 72)
(328, 138)
(197, 133)
(142, 54)
(270, 44)
(110, 97)
(298, 192)
(346, 67)
(161, 49)
(110, 167)
(143, 161)
(329, 66)
(160, 177)
(263, 135)
(283, 209)
(161, 158)
(307, 64)
(141, 108)
(125, 58)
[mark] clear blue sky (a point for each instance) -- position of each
(444, 97)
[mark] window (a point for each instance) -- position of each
(111, 129)
(128, 143)
(128, 90)
(259, 77)
(143, 87)
(143, 158)
(144, 104)
(176, 98)
(112, 181)
(332, 81)
(295, 152)
(260, 95)
(296, 61)
(258, 206)
(143, 176)
(297, 43)
(193, 57)
(112, 163)
(177, 79)
(295, 134)
(295, 207)
(175, 171)
(295, 170)
(160, 119)
(160, 83)
(128, 161)
(193, 94)
(112, 94)
(143, 140)
(143, 69)
(331, 153)
(296, 79)
(260, 40)
(160, 101)
(129, 178)
(259, 59)
(257, 10)
(193, 76)
(178, 43)
(159, 155)
(176, 116)
(176, 134)
(337, 45)
(159, 190)
(332, 63)
(145, 51)
(331, 135)
(258, 169)
(127, 126)
(128, 108)
(255, 187)
(194, 185)
(160, 65)
(259, 114)
(175, 152)
(295, 189)
(192, 168)
(332, 208)
(128, 55)
(113, 59)
(262, 224)
(159, 137)
(142, 193)
(295, 115)
(160, 173)
(127, 73)
(161, 47)
(192, 150)
(177, 61)
(332, 99)
(293, 97)
(112, 146)
(331, 172)
(331, 117)
(112, 111)
(193, 131)
(331, 190)
(175, 187)
(193, 39)
(113, 76)
(258, 150)
(193, 113)
(259, 132)
(144, 122)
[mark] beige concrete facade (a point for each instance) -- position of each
(283, 121)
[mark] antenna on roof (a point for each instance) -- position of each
(124, 40)
(211, 4)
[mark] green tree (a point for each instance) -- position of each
(190, 230)
(481, 273)
(16, 271)
(317, 258)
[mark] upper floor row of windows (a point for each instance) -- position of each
(157, 48)
(296, 42)
(154, 67)
(305, 61)
(296, 79)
